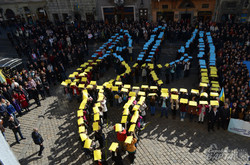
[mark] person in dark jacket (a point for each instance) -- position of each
(11, 110)
(225, 116)
(14, 125)
(116, 157)
(38, 140)
(212, 118)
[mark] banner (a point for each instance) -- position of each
(239, 127)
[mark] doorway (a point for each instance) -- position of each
(186, 17)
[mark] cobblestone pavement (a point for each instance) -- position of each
(163, 141)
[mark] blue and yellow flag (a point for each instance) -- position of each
(222, 95)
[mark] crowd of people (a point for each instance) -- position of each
(52, 49)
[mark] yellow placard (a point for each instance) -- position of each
(79, 113)
(83, 136)
(127, 86)
(124, 90)
(214, 94)
(204, 74)
(95, 126)
(183, 101)
(81, 129)
(164, 94)
(80, 121)
(118, 127)
(214, 82)
(135, 65)
(73, 84)
(118, 83)
(136, 88)
(134, 118)
(115, 88)
(82, 74)
(136, 107)
(113, 146)
(132, 128)
(144, 86)
(68, 81)
(203, 102)
(195, 91)
(214, 102)
(96, 110)
(140, 93)
(192, 103)
(132, 94)
(204, 94)
(64, 83)
(82, 105)
(203, 84)
(84, 79)
(165, 90)
(126, 112)
(159, 66)
(97, 155)
(81, 85)
(174, 97)
(215, 85)
(96, 117)
(205, 81)
(71, 76)
(184, 90)
(92, 82)
(203, 70)
(174, 90)
(160, 82)
(154, 87)
(129, 139)
(152, 94)
(89, 86)
(99, 87)
(124, 119)
(215, 89)
(167, 65)
(87, 143)
(213, 75)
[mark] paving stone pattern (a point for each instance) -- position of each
(163, 141)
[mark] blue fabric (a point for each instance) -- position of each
(247, 63)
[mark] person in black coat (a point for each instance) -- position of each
(38, 140)
(225, 116)
(212, 118)
(116, 157)
(14, 125)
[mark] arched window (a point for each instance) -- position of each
(9, 14)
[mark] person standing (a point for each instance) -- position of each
(14, 125)
(131, 148)
(38, 140)
(212, 118)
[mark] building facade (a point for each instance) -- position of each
(176, 10)
(232, 10)
(123, 10)
(23, 10)
(68, 10)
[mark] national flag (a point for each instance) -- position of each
(222, 95)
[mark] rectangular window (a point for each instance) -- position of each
(165, 6)
(231, 5)
(205, 6)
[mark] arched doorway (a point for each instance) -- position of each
(10, 15)
(78, 16)
(42, 15)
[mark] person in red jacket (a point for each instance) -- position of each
(202, 112)
(23, 101)
(121, 137)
